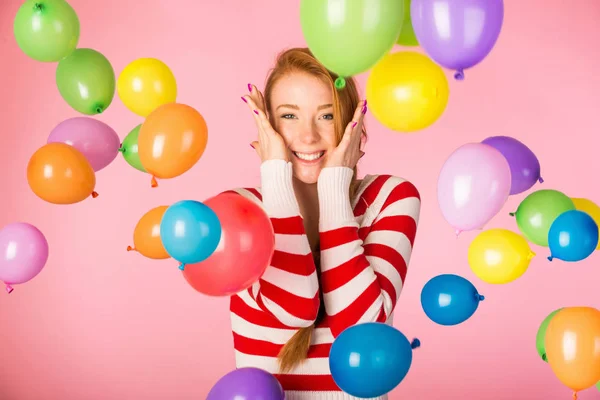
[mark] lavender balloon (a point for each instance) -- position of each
(247, 384)
(524, 165)
(23, 253)
(98, 142)
(457, 34)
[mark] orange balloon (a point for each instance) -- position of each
(59, 173)
(146, 235)
(171, 140)
(573, 347)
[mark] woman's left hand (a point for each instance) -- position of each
(348, 152)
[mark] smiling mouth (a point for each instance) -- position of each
(309, 156)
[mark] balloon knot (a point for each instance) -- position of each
(129, 248)
(9, 289)
(121, 148)
(479, 297)
(340, 83)
(153, 182)
(38, 7)
(544, 357)
(530, 255)
(459, 75)
(416, 343)
(512, 214)
(550, 258)
(94, 195)
(541, 180)
(574, 395)
(99, 109)
(457, 232)
(182, 266)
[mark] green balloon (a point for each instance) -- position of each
(537, 212)
(46, 30)
(598, 386)
(407, 34)
(86, 80)
(540, 340)
(129, 148)
(350, 36)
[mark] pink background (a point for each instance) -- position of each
(100, 323)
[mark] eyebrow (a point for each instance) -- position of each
(295, 107)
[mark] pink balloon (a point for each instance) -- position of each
(244, 251)
(23, 253)
(473, 185)
(98, 142)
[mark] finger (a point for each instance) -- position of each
(256, 147)
(256, 96)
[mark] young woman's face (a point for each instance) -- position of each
(302, 112)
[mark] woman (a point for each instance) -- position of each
(342, 245)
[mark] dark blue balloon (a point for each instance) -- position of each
(573, 236)
(370, 359)
(449, 299)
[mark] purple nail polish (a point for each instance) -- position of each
(245, 101)
(364, 110)
(354, 124)
(365, 103)
(250, 87)
(252, 146)
(255, 112)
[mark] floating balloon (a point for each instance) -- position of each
(449, 299)
(540, 339)
(23, 253)
(370, 359)
(97, 141)
(573, 236)
(590, 208)
(538, 210)
(407, 91)
(524, 165)
(352, 36)
(171, 140)
(146, 235)
(129, 149)
(598, 386)
(572, 347)
(499, 256)
(86, 81)
(146, 84)
(46, 30)
(247, 384)
(473, 185)
(407, 34)
(59, 173)
(457, 34)
(244, 253)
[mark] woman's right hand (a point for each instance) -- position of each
(270, 144)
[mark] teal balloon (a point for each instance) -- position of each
(46, 30)
(350, 36)
(86, 81)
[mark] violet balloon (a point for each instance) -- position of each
(247, 384)
(524, 165)
(473, 185)
(457, 34)
(23, 253)
(97, 141)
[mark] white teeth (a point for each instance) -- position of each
(309, 156)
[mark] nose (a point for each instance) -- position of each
(309, 134)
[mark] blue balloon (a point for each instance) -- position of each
(449, 299)
(573, 236)
(370, 359)
(190, 231)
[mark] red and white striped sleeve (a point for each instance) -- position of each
(289, 288)
(361, 280)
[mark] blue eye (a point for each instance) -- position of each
(328, 116)
(288, 116)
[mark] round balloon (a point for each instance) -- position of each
(473, 185)
(86, 81)
(407, 34)
(129, 149)
(538, 210)
(573, 236)
(540, 339)
(59, 173)
(46, 30)
(449, 299)
(97, 141)
(406, 91)
(245, 251)
(457, 34)
(499, 256)
(598, 386)
(247, 383)
(370, 359)
(171, 141)
(590, 208)
(524, 165)
(23, 253)
(145, 84)
(146, 235)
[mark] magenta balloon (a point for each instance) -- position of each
(23, 253)
(98, 142)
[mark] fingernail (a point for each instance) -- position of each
(245, 101)
(252, 146)
(364, 105)
(250, 87)
(354, 124)
(255, 112)
(361, 156)
(364, 110)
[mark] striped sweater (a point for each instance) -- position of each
(365, 246)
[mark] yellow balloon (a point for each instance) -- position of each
(406, 91)
(589, 207)
(499, 256)
(146, 84)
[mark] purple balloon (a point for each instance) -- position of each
(524, 165)
(98, 142)
(457, 34)
(247, 384)
(23, 253)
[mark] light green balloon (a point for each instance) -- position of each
(129, 148)
(407, 34)
(350, 36)
(537, 212)
(540, 340)
(86, 81)
(598, 386)
(46, 30)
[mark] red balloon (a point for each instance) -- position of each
(244, 252)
